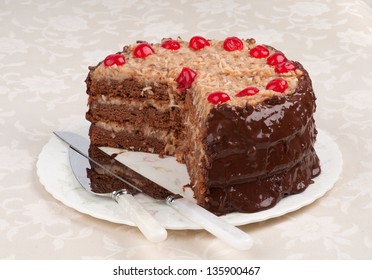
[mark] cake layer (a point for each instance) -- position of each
(136, 115)
(129, 88)
(134, 139)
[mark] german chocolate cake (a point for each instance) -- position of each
(237, 113)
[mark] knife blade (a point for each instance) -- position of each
(226, 232)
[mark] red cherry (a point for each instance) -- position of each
(232, 44)
(170, 44)
(198, 42)
(218, 97)
(112, 59)
(185, 79)
(249, 91)
(259, 52)
(285, 67)
(142, 50)
(276, 58)
(278, 85)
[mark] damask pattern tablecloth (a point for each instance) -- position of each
(45, 49)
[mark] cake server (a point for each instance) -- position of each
(226, 232)
(146, 223)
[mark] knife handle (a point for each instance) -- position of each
(146, 223)
(228, 233)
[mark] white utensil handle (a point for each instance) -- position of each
(228, 233)
(146, 223)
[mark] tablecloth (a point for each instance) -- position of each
(45, 50)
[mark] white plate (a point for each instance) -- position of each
(55, 174)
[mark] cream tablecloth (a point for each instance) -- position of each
(45, 49)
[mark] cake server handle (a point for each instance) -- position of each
(146, 223)
(226, 232)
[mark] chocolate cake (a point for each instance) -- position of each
(237, 113)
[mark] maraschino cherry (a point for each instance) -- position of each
(170, 44)
(198, 42)
(186, 78)
(278, 85)
(259, 51)
(276, 58)
(285, 67)
(249, 91)
(232, 44)
(218, 97)
(143, 50)
(114, 59)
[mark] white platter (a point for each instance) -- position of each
(55, 174)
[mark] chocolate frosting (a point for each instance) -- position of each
(257, 155)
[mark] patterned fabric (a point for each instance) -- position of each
(45, 49)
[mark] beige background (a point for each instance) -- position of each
(45, 49)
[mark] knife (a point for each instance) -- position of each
(226, 232)
(146, 223)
